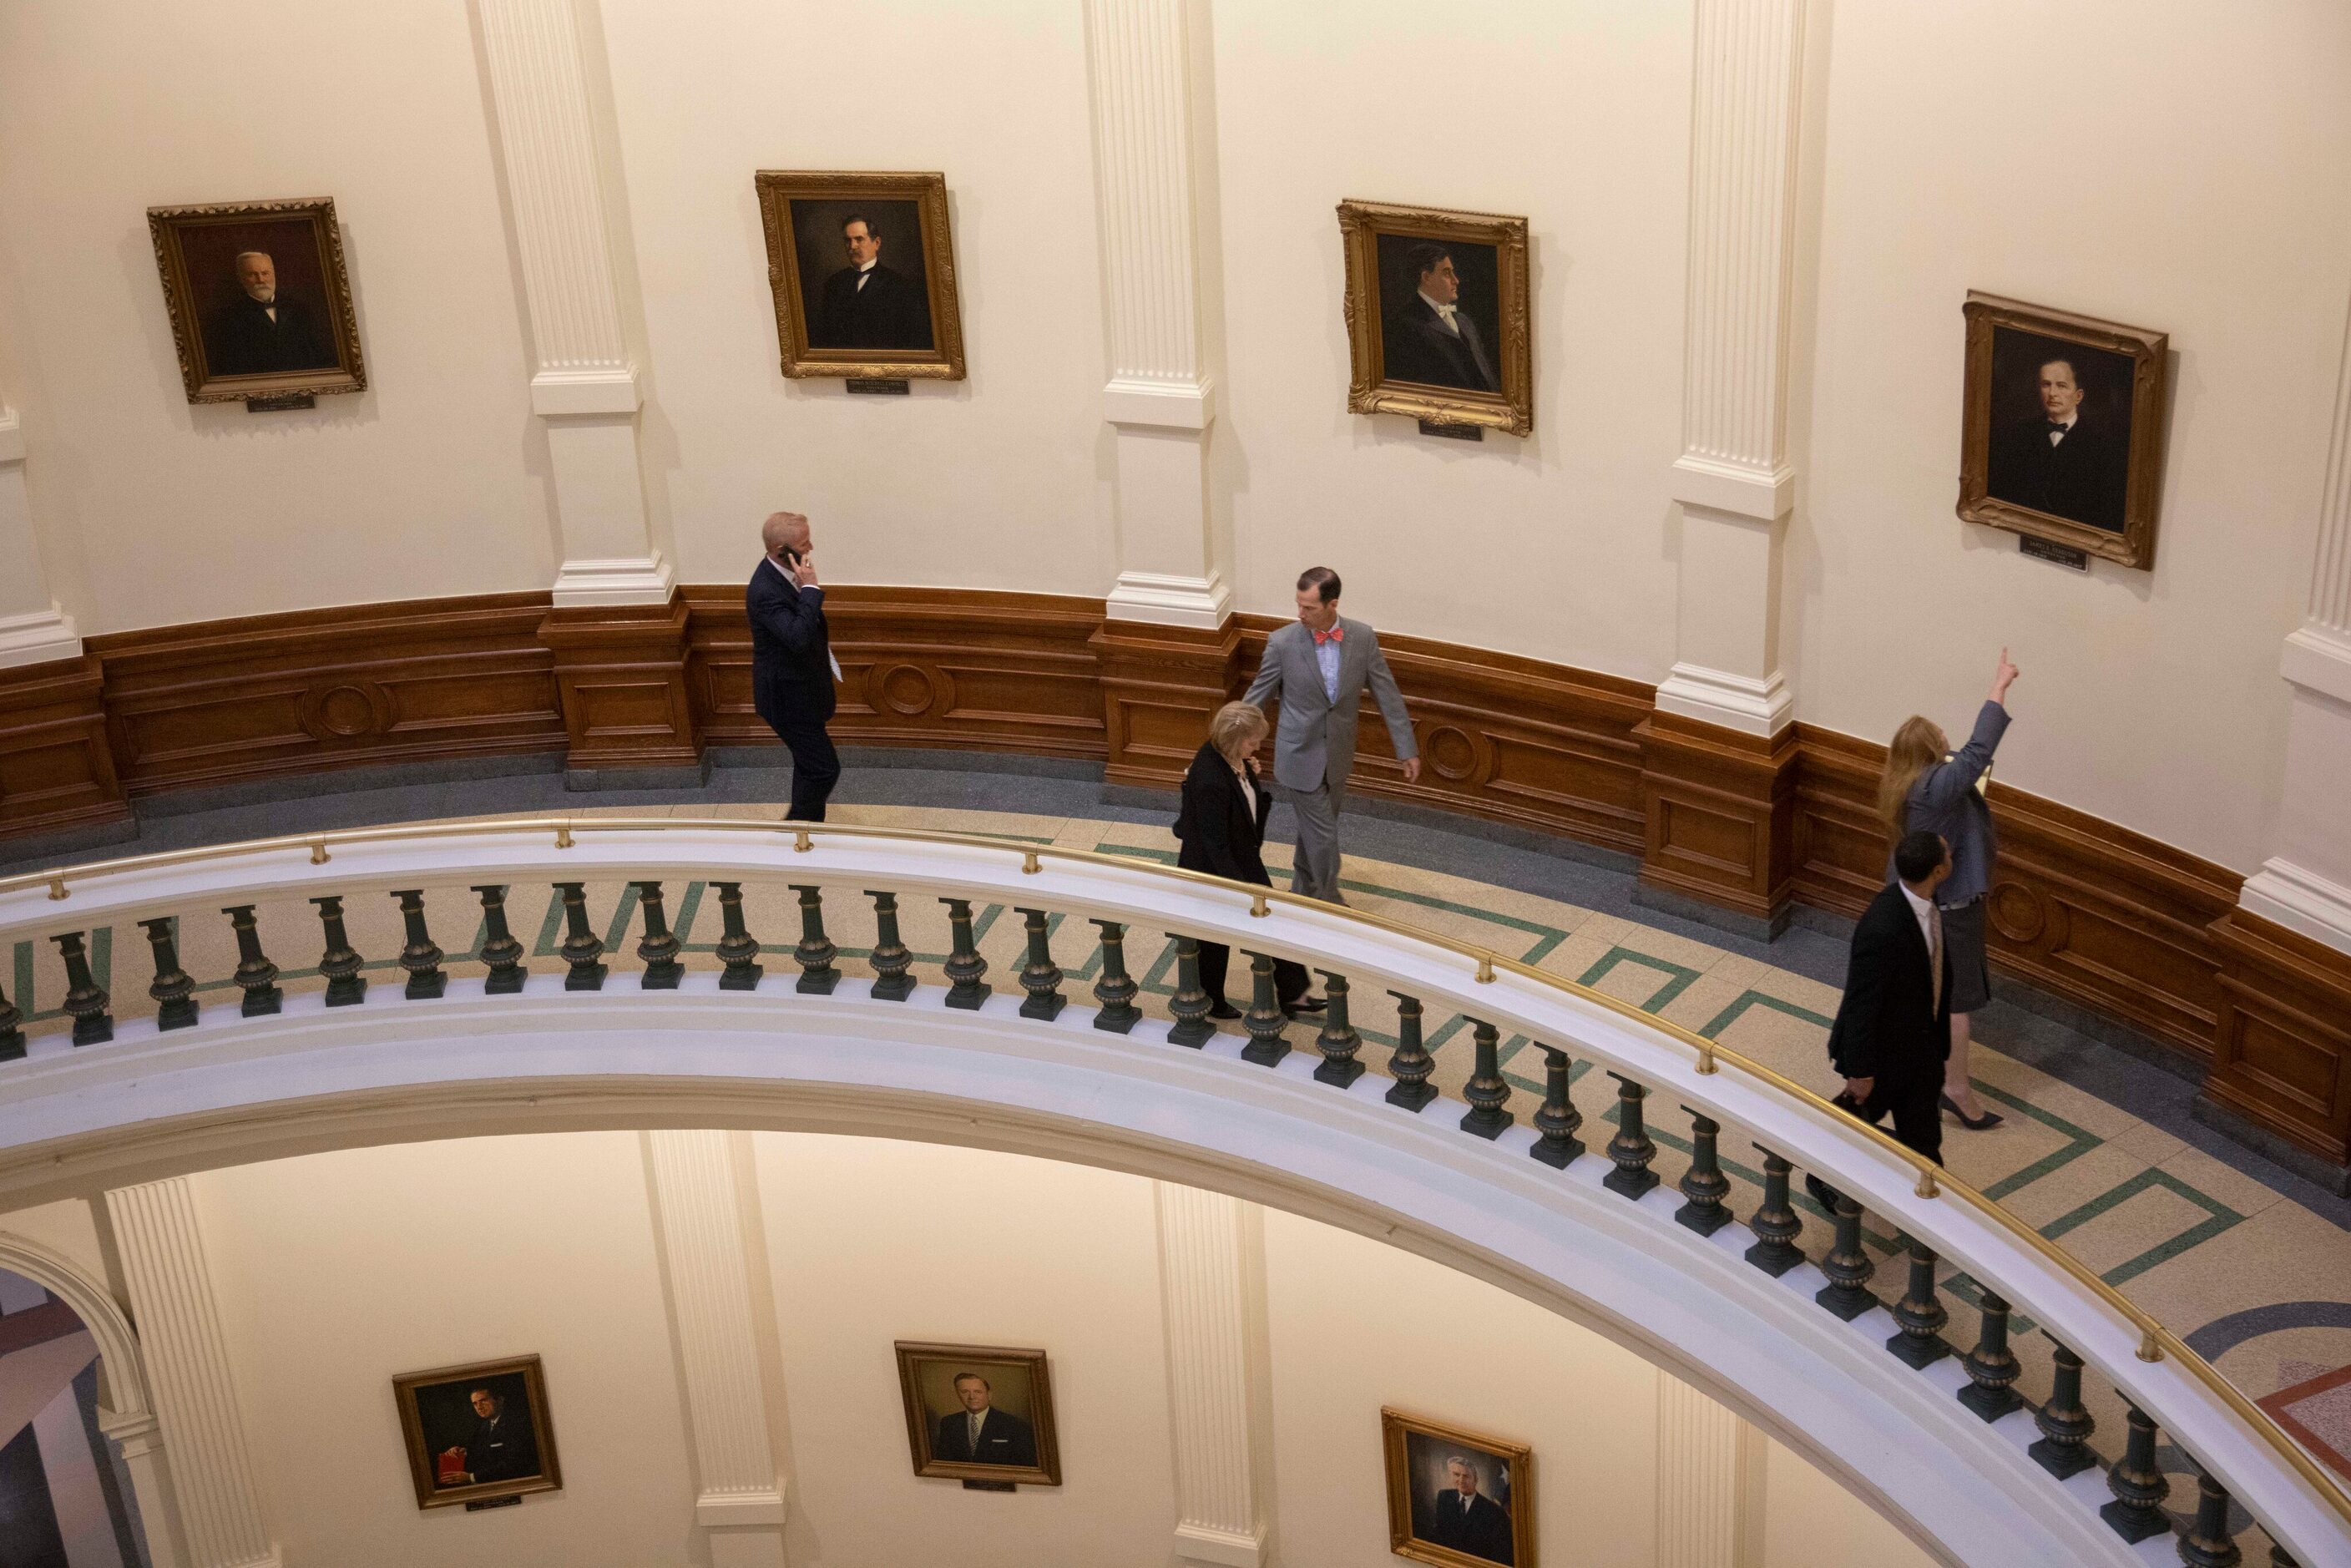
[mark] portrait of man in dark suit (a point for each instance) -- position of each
(1432, 334)
(498, 1446)
(263, 329)
(2061, 429)
(479, 1432)
(1460, 1515)
(979, 1433)
(868, 304)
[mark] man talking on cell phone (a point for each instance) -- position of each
(792, 668)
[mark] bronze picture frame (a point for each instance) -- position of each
(437, 1408)
(1421, 1526)
(308, 342)
(1378, 238)
(2109, 506)
(1019, 1386)
(878, 334)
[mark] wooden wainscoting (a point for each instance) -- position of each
(57, 769)
(2089, 911)
(223, 702)
(922, 666)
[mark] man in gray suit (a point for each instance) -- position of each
(1318, 665)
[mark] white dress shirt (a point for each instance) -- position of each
(1443, 313)
(797, 583)
(865, 273)
(1930, 927)
(2067, 423)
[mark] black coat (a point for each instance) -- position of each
(1419, 348)
(1222, 832)
(2081, 478)
(240, 340)
(1004, 1439)
(1482, 1529)
(506, 1450)
(888, 312)
(1890, 1025)
(791, 649)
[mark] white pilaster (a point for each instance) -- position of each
(33, 629)
(1212, 1293)
(1734, 479)
(583, 381)
(140, 1439)
(1160, 398)
(171, 1286)
(2306, 884)
(707, 1251)
(1710, 1480)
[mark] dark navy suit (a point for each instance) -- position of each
(791, 682)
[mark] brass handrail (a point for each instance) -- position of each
(2154, 1336)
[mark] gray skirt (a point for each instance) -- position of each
(1963, 943)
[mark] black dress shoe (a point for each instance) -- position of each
(1975, 1125)
(1307, 1005)
(1223, 1010)
(1823, 1193)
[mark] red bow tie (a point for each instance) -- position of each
(1336, 635)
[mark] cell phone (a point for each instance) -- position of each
(791, 556)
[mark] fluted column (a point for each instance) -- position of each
(33, 629)
(1709, 1482)
(171, 1285)
(561, 153)
(1161, 397)
(1212, 1291)
(1734, 479)
(2306, 884)
(707, 1241)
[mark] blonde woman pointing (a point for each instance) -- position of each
(1928, 787)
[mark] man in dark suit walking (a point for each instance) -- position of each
(867, 305)
(2059, 462)
(1430, 340)
(1893, 1028)
(979, 1433)
(1467, 1521)
(792, 666)
(263, 330)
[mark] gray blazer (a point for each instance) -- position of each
(1316, 742)
(1945, 800)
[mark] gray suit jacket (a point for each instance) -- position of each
(1316, 742)
(1945, 800)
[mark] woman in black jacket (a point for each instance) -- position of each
(1222, 827)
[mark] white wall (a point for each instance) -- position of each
(337, 1272)
(151, 510)
(2163, 164)
(2161, 161)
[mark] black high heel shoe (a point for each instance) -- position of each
(1974, 1124)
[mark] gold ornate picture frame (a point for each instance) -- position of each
(259, 299)
(457, 1452)
(2071, 455)
(862, 270)
(1472, 365)
(1017, 1444)
(1429, 1519)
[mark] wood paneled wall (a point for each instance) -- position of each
(2084, 909)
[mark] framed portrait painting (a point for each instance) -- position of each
(1454, 1497)
(862, 270)
(1438, 323)
(979, 1413)
(2062, 432)
(259, 299)
(479, 1433)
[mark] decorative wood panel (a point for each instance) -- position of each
(2282, 1047)
(226, 701)
(620, 671)
(1719, 814)
(1507, 738)
(57, 771)
(922, 666)
(2090, 912)
(1160, 685)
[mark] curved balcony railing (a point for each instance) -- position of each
(2161, 1384)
